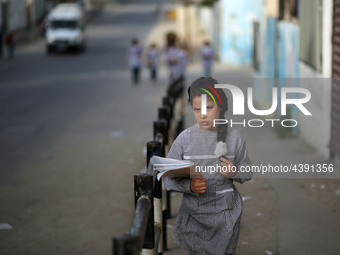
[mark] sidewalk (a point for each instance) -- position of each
(280, 216)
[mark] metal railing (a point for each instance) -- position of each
(147, 234)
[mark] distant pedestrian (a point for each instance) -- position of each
(134, 58)
(207, 56)
(153, 61)
(172, 59)
(43, 25)
(182, 60)
(10, 42)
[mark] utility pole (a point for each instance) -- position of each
(3, 24)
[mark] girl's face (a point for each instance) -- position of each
(206, 121)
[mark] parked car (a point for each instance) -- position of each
(65, 28)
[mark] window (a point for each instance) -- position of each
(289, 10)
(67, 24)
(310, 21)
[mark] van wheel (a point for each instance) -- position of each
(48, 49)
(82, 48)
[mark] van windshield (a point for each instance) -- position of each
(68, 24)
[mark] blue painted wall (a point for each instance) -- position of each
(268, 62)
(279, 60)
(288, 50)
(268, 49)
(236, 45)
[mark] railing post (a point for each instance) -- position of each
(166, 102)
(163, 113)
(160, 127)
(180, 125)
(154, 148)
(144, 187)
(158, 213)
(125, 244)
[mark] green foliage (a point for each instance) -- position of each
(208, 3)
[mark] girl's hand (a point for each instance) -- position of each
(198, 185)
(227, 168)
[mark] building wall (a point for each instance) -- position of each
(268, 48)
(210, 18)
(315, 129)
(17, 15)
(187, 15)
(288, 48)
(267, 63)
(39, 9)
(236, 45)
(208, 21)
(327, 38)
(271, 8)
(280, 59)
(320, 89)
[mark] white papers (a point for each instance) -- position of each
(171, 167)
(245, 198)
(5, 226)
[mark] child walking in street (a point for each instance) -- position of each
(182, 60)
(153, 59)
(172, 60)
(208, 222)
(207, 56)
(134, 58)
(11, 43)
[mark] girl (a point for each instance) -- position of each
(208, 222)
(134, 58)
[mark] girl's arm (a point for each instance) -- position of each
(242, 160)
(179, 184)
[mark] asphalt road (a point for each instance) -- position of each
(72, 135)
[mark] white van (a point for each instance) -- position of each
(65, 28)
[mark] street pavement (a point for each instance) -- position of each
(72, 135)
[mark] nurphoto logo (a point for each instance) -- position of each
(239, 104)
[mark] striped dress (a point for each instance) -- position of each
(209, 223)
